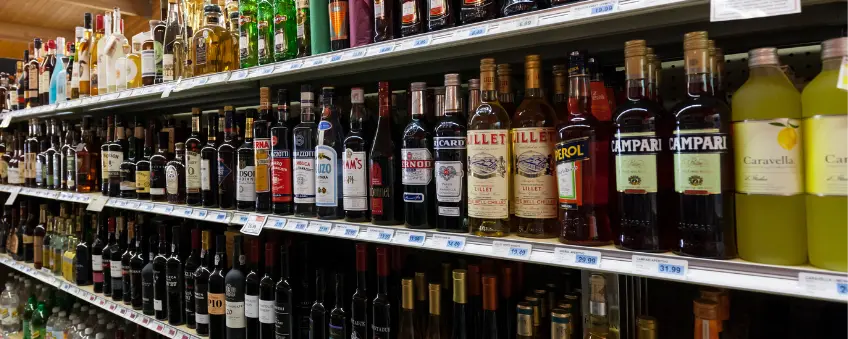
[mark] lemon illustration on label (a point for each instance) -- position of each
(787, 137)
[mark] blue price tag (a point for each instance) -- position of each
(842, 288)
(335, 58)
(381, 235)
(456, 244)
(220, 217)
(670, 269)
(279, 223)
(385, 49)
(295, 65)
(586, 259)
(518, 252)
(602, 9)
(477, 31)
(350, 232)
(187, 212)
(317, 62)
(300, 226)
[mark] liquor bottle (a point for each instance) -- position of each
(137, 264)
(262, 152)
(384, 20)
(319, 24)
(460, 317)
(488, 156)
(216, 299)
(338, 14)
(81, 255)
(148, 56)
(174, 281)
(38, 234)
(581, 149)
(29, 233)
(768, 137)
(471, 12)
(637, 150)
(175, 177)
(440, 15)
(707, 323)
(281, 162)
(158, 173)
(264, 12)
(381, 306)
(318, 313)
(419, 188)
(533, 138)
(505, 94)
(359, 300)
(283, 315)
(32, 176)
(160, 290)
(142, 167)
(23, 87)
(823, 129)
(305, 140)
(84, 60)
(107, 251)
(227, 162)
(41, 169)
(97, 246)
(147, 280)
(201, 285)
(304, 299)
(407, 321)
(381, 165)
(246, 178)
(328, 162)
(11, 157)
(234, 289)
(117, 149)
(127, 167)
(115, 265)
(474, 301)
(212, 47)
(33, 99)
(46, 67)
(267, 287)
(252, 290)
(126, 263)
(700, 144)
(361, 23)
(597, 321)
(97, 43)
(193, 171)
(354, 161)
(304, 31)
(490, 317)
(248, 34)
(285, 35)
(434, 317)
(208, 162)
(413, 19)
(173, 22)
(46, 239)
(187, 279)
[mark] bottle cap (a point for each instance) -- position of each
(577, 63)
(473, 84)
(435, 296)
(634, 48)
(407, 299)
(705, 309)
(418, 86)
(490, 293)
(452, 79)
(459, 286)
(695, 40)
(834, 48)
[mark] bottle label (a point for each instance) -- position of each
(355, 184)
(142, 182)
(534, 180)
(281, 182)
(97, 263)
(215, 303)
(251, 306)
(304, 177)
(193, 172)
(826, 154)
(168, 67)
(200, 51)
(417, 166)
(245, 183)
(602, 105)
(172, 180)
(282, 326)
(37, 244)
(44, 82)
(326, 176)
(262, 156)
(205, 184)
(116, 268)
(266, 311)
(148, 63)
(115, 160)
(525, 323)
(264, 50)
(636, 162)
(768, 157)
(488, 183)
(157, 304)
(338, 20)
(235, 314)
(378, 9)
(244, 45)
(697, 161)
(201, 318)
(336, 332)
(409, 13)
(569, 157)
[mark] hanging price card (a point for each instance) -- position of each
(571, 257)
(97, 204)
(420, 41)
(511, 249)
(449, 242)
(146, 207)
(380, 234)
(296, 225)
(354, 54)
(519, 23)
(199, 213)
(217, 78)
(276, 223)
(254, 224)
(663, 267)
(346, 231)
(824, 285)
(14, 195)
(410, 238)
(319, 227)
(382, 49)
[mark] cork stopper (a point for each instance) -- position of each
(487, 65)
(635, 60)
(452, 79)
(490, 293)
(695, 40)
(473, 84)
(834, 48)
(705, 309)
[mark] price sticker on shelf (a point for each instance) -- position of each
(319, 227)
(133, 205)
(261, 71)
(335, 58)
(318, 61)
(163, 209)
(380, 234)
(520, 23)
(294, 65)
(183, 335)
(512, 249)
(297, 225)
(577, 257)
(410, 238)
(65, 196)
(594, 9)
(148, 207)
(239, 218)
(254, 224)
(238, 75)
(83, 198)
(345, 231)
(824, 285)
(145, 321)
(662, 267)
(449, 242)
(112, 202)
(199, 213)
(178, 211)
(421, 41)
(383, 49)
(125, 94)
(12, 196)
(201, 81)
(6, 121)
(113, 307)
(218, 216)
(123, 311)
(218, 78)
(158, 327)
(97, 204)
(354, 54)
(123, 203)
(110, 97)
(471, 32)
(276, 223)
(133, 316)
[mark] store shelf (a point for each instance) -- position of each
(800, 281)
(87, 294)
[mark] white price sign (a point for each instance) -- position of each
(354, 54)
(662, 267)
(421, 41)
(14, 195)
(239, 75)
(97, 204)
(148, 207)
(410, 238)
(261, 71)
(220, 77)
(334, 58)
(297, 225)
(319, 227)
(254, 224)
(199, 213)
(824, 285)
(239, 218)
(594, 9)
(218, 216)
(575, 257)
(383, 49)
(512, 249)
(520, 23)
(380, 234)
(277, 223)
(163, 209)
(471, 32)
(449, 242)
(345, 231)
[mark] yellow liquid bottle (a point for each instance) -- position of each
(824, 130)
(769, 165)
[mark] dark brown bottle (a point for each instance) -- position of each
(175, 177)
(201, 285)
(193, 168)
(473, 11)
(382, 164)
(413, 17)
(440, 14)
(419, 188)
(142, 167)
(382, 305)
(262, 152)
(158, 163)
(32, 69)
(174, 281)
(105, 154)
(208, 164)
(384, 20)
(117, 153)
(281, 161)
(227, 163)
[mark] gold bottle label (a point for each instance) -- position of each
(488, 184)
(534, 179)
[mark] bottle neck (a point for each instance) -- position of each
(579, 95)
(418, 109)
(282, 113)
(357, 112)
(248, 129)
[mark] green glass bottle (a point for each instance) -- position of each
(265, 31)
(319, 17)
(303, 40)
(248, 35)
(285, 30)
(29, 309)
(38, 324)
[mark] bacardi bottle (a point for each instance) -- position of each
(450, 167)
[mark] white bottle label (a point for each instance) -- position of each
(304, 181)
(193, 172)
(416, 166)
(168, 67)
(326, 176)
(104, 165)
(172, 180)
(235, 314)
(449, 181)
(488, 184)
(157, 305)
(245, 184)
(148, 63)
(534, 177)
(251, 306)
(768, 157)
(97, 263)
(204, 175)
(201, 318)
(354, 181)
(266, 311)
(115, 267)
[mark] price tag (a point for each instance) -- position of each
(319, 227)
(201, 81)
(594, 9)
(511, 249)
(261, 71)
(133, 316)
(183, 85)
(6, 121)
(380, 234)
(410, 238)
(183, 335)
(449, 242)
(520, 23)
(133, 205)
(297, 225)
(110, 97)
(14, 195)
(159, 327)
(354, 54)
(471, 32)
(171, 332)
(217, 216)
(220, 77)
(145, 321)
(383, 49)
(582, 258)
(345, 231)
(335, 58)
(97, 204)
(146, 207)
(179, 211)
(318, 61)
(77, 102)
(239, 218)
(254, 224)
(421, 41)
(824, 285)
(663, 267)
(238, 75)
(294, 65)
(163, 209)
(123, 311)
(277, 223)
(199, 213)
(83, 198)
(112, 203)
(113, 307)
(125, 94)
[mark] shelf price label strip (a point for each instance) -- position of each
(660, 267)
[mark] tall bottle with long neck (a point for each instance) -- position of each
(489, 160)
(267, 286)
(174, 281)
(419, 189)
(217, 286)
(227, 162)
(234, 291)
(126, 263)
(160, 289)
(117, 153)
(359, 301)
(338, 316)
(46, 69)
(193, 166)
(97, 258)
(328, 159)
(460, 317)
(381, 306)
(283, 312)
(318, 312)
(355, 161)
(58, 80)
(84, 50)
(252, 289)
(208, 164)
(201, 284)
(248, 34)
(449, 139)
(406, 319)
(142, 167)
(137, 263)
(281, 158)
(246, 166)
(434, 318)
(173, 27)
(304, 156)
(382, 164)
(262, 152)
(490, 308)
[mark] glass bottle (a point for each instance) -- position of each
(265, 31)
(216, 296)
(126, 263)
(46, 67)
(459, 323)
(227, 162)
(384, 20)
(201, 284)
(32, 171)
(319, 24)
(339, 23)
(212, 47)
(174, 281)
(109, 123)
(824, 127)
(97, 43)
(173, 28)
(208, 160)
(488, 161)
(440, 14)
(149, 56)
(639, 130)
(318, 312)
(283, 313)
(193, 171)
(133, 72)
(234, 292)
(381, 306)
(252, 289)
(473, 11)
(267, 285)
(490, 308)
(303, 37)
(285, 30)
(305, 139)
(246, 178)
(87, 159)
(419, 188)
(561, 325)
(382, 164)
(117, 153)
(361, 21)
(158, 173)
(355, 161)
(533, 138)
(412, 17)
(97, 246)
(175, 177)
(114, 278)
(281, 162)
(32, 68)
(38, 234)
(706, 319)
(407, 312)
(142, 167)
(328, 161)
(80, 256)
(160, 289)
(52, 155)
(262, 152)
(580, 153)
(703, 164)
(359, 300)
(128, 174)
(248, 33)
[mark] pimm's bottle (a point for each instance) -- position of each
(355, 161)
